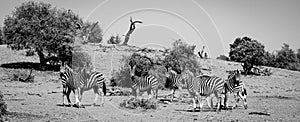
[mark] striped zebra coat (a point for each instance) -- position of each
(201, 87)
(147, 83)
(81, 82)
(204, 87)
(237, 87)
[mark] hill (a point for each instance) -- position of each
(278, 94)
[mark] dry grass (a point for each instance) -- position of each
(278, 95)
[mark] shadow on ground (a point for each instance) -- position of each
(30, 65)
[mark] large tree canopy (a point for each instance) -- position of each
(39, 26)
(248, 51)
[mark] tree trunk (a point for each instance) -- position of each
(127, 37)
(42, 58)
(131, 29)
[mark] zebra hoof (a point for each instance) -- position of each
(245, 106)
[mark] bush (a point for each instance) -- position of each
(114, 40)
(22, 76)
(182, 57)
(81, 59)
(3, 106)
(143, 64)
(91, 32)
(122, 76)
(223, 57)
(139, 103)
(29, 52)
(1, 37)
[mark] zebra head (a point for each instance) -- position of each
(65, 68)
(234, 76)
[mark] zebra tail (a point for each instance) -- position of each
(245, 91)
(104, 88)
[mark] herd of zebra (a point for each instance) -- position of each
(200, 88)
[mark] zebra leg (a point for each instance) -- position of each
(63, 96)
(76, 98)
(200, 103)
(209, 102)
(68, 96)
(149, 94)
(156, 93)
(97, 93)
(243, 97)
(80, 93)
(218, 101)
(225, 100)
(236, 99)
(194, 104)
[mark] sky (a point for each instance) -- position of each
(213, 23)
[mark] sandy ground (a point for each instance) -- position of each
(278, 95)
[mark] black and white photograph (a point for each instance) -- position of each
(149, 60)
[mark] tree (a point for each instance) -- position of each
(247, 51)
(39, 26)
(91, 32)
(269, 59)
(1, 37)
(143, 64)
(131, 29)
(286, 57)
(114, 40)
(298, 55)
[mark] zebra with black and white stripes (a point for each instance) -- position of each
(172, 82)
(67, 76)
(81, 82)
(147, 83)
(237, 87)
(203, 86)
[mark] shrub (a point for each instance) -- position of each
(122, 76)
(139, 103)
(182, 56)
(1, 37)
(23, 76)
(91, 32)
(223, 57)
(3, 106)
(81, 59)
(29, 52)
(114, 40)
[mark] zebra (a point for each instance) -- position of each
(237, 87)
(81, 82)
(68, 87)
(147, 83)
(174, 80)
(203, 86)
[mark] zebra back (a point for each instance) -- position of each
(145, 82)
(206, 85)
(73, 79)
